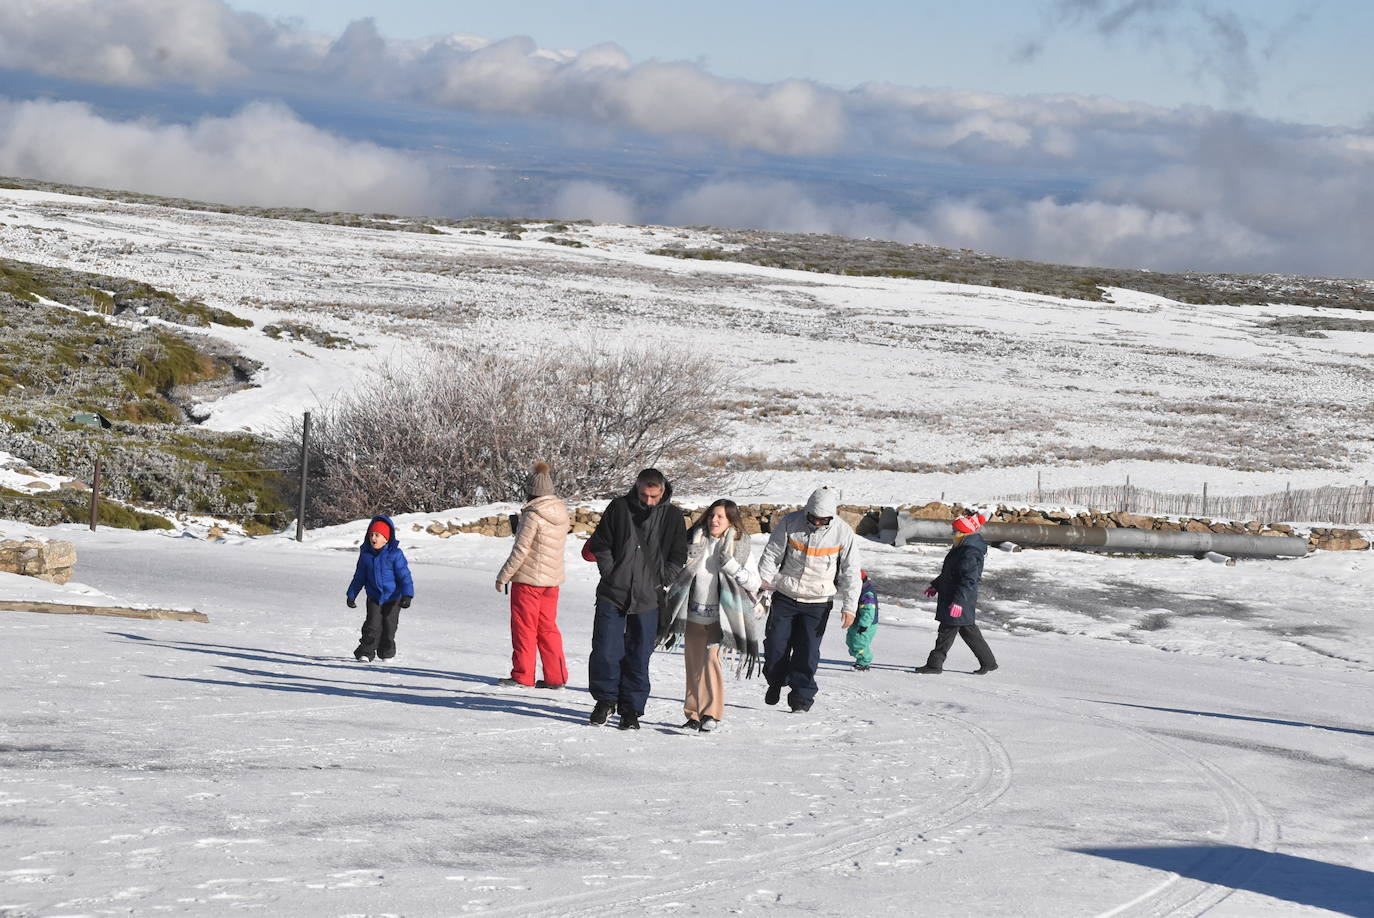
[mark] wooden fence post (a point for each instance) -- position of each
(305, 466)
(95, 495)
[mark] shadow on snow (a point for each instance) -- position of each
(1258, 720)
(1301, 880)
(367, 690)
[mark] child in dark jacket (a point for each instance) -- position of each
(955, 591)
(384, 575)
(859, 637)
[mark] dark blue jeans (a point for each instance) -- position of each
(621, 646)
(792, 646)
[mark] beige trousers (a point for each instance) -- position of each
(705, 681)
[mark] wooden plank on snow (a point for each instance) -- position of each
(61, 608)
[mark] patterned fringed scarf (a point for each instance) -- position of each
(742, 614)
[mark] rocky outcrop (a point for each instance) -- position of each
(47, 560)
(1337, 540)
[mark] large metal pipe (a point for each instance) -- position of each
(1099, 538)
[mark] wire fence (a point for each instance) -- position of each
(1350, 506)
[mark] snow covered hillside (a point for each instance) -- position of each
(1163, 738)
(923, 387)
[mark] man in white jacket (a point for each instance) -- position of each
(812, 564)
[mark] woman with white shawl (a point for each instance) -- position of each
(714, 605)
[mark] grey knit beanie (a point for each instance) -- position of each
(541, 482)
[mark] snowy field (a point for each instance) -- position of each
(1219, 764)
(1163, 738)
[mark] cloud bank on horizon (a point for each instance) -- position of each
(1152, 187)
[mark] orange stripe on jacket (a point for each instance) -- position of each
(814, 551)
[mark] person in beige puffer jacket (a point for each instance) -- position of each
(535, 571)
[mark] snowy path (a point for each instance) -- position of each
(249, 765)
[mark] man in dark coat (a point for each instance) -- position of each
(640, 545)
(956, 592)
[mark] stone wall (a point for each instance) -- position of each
(869, 520)
(47, 560)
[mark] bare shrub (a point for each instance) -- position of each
(467, 426)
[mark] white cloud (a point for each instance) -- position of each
(207, 44)
(593, 201)
(261, 155)
(1152, 186)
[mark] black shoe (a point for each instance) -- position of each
(985, 669)
(508, 682)
(548, 685)
(773, 695)
(860, 667)
(928, 670)
(692, 724)
(629, 720)
(602, 711)
(708, 724)
(799, 708)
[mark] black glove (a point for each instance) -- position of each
(352, 603)
(405, 601)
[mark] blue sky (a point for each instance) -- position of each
(1217, 135)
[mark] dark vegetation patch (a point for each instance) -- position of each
(878, 258)
(88, 362)
(1314, 326)
(27, 282)
(56, 363)
(299, 331)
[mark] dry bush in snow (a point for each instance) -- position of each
(466, 427)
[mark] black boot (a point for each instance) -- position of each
(602, 711)
(928, 670)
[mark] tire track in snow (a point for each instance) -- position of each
(1248, 824)
(991, 779)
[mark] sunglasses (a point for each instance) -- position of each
(819, 520)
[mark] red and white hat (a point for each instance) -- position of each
(971, 523)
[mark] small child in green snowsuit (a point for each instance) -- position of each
(859, 637)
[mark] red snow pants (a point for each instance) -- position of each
(534, 626)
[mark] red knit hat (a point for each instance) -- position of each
(970, 524)
(382, 527)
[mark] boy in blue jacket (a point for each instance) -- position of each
(385, 576)
(859, 637)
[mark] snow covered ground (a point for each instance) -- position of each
(961, 389)
(1164, 737)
